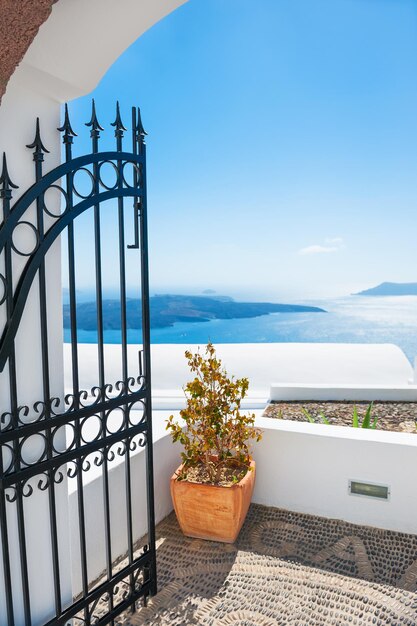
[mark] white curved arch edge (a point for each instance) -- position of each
(81, 39)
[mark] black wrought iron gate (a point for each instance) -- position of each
(49, 442)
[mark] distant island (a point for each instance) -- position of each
(390, 289)
(166, 310)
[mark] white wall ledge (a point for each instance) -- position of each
(346, 433)
(339, 365)
(338, 392)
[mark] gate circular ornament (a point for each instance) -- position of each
(15, 245)
(111, 171)
(4, 287)
(114, 420)
(8, 458)
(89, 180)
(63, 438)
(135, 170)
(64, 195)
(136, 413)
(33, 449)
(91, 429)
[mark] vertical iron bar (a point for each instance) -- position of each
(16, 452)
(81, 517)
(6, 554)
(23, 553)
(76, 389)
(72, 299)
(122, 261)
(6, 195)
(146, 334)
(119, 132)
(128, 478)
(97, 250)
(68, 141)
(95, 134)
(106, 496)
(38, 157)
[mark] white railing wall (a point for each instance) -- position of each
(307, 467)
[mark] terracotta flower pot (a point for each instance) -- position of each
(209, 511)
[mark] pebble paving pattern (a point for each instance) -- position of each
(285, 569)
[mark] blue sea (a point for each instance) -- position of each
(352, 319)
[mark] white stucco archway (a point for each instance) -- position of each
(82, 39)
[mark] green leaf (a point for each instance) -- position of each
(212, 425)
(355, 419)
(309, 417)
(324, 419)
(367, 419)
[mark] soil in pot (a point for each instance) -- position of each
(213, 512)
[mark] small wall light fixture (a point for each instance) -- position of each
(369, 490)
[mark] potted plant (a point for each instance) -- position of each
(212, 488)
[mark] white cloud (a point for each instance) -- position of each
(334, 244)
(336, 241)
(317, 249)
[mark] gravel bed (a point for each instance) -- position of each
(396, 416)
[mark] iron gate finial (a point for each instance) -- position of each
(94, 123)
(66, 128)
(6, 183)
(37, 144)
(119, 127)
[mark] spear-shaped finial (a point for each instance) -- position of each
(66, 128)
(6, 183)
(139, 126)
(94, 123)
(39, 148)
(139, 132)
(118, 124)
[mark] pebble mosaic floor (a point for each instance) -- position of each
(285, 569)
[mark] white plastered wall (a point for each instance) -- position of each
(307, 467)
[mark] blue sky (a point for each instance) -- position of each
(282, 148)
